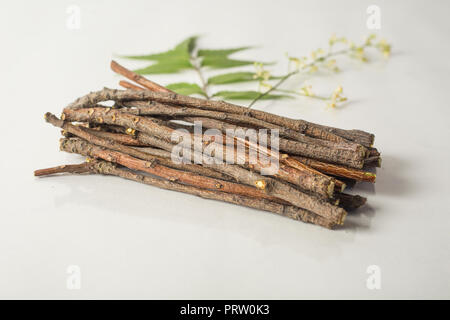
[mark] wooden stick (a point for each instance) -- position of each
(339, 171)
(172, 98)
(137, 78)
(128, 85)
(69, 168)
(351, 202)
(331, 154)
(108, 168)
(143, 108)
(307, 180)
(312, 129)
(284, 159)
(145, 124)
(266, 188)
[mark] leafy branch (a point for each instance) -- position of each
(188, 56)
(320, 58)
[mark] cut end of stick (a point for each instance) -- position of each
(342, 219)
(260, 184)
(150, 85)
(128, 85)
(70, 168)
(370, 176)
(330, 190)
(51, 118)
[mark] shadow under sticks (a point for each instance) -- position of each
(392, 180)
(392, 177)
(265, 228)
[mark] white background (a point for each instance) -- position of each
(136, 241)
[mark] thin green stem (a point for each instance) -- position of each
(280, 82)
(302, 94)
(312, 63)
(195, 61)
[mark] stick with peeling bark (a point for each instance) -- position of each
(108, 168)
(307, 180)
(311, 129)
(339, 171)
(172, 98)
(284, 159)
(122, 144)
(268, 188)
(144, 124)
(351, 202)
(69, 168)
(230, 170)
(333, 154)
(152, 108)
(138, 133)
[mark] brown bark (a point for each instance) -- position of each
(154, 167)
(155, 109)
(275, 188)
(69, 168)
(128, 85)
(96, 138)
(108, 168)
(336, 155)
(290, 161)
(271, 187)
(144, 124)
(374, 161)
(137, 78)
(124, 139)
(301, 126)
(351, 202)
(306, 180)
(292, 177)
(339, 171)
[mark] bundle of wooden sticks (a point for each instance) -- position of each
(133, 139)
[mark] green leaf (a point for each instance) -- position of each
(235, 77)
(232, 78)
(247, 95)
(186, 88)
(218, 58)
(220, 52)
(182, 50)
(218, 62)
(170, 61)
(172, 66)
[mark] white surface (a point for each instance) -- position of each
(135, 241)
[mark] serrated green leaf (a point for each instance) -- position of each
(220, 52)
(217, 62)
(186, 88)
(163, 56)
(235, 77)
(232, 78)
(187, 45)
(171, 66)
(247, 95)
(182, 50)
(171, 61)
